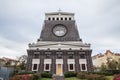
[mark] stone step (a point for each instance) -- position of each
(57, 77)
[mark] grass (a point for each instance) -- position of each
(75, 78)
(72, 78)
(46, 79)
(110, 77)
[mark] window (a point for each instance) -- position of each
(71, 67)
(46, 67)
(61, 18)
(83, 67)
(57, 18)
(65, 18)
(69, 18)
(49, 18)
(35, 67)
(53, 18)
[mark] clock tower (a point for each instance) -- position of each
(59, 48)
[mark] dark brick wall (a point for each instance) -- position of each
(53, 56)
(48, 35)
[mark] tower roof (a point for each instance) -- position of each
(59, 12)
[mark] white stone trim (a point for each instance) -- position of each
(47, 61)
(45, 67)
(59, 61)
(35, 61)
(85, 67)
(71, 61)
(82, 61)
(69, 67)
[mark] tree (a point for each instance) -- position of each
(103, 67)
(119, 64)
(21, 64)
(7, 64)
(112, 65)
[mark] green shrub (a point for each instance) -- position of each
(70, 74)
(46, 75)
(35, 76)
(16, 78)
(91, 76)
(95, 77)
(21, 73)
(81, 75)
(103, 73)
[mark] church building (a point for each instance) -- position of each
(59, 48)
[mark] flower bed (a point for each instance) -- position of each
(22, 77)
(117, 77)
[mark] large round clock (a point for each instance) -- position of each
(59, 30)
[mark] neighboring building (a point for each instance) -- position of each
(100, 59)
(5, 60)
(2, 62)
(59, 48)
(6, 73)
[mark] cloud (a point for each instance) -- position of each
(21, 22)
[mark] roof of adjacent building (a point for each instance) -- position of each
(102, 55)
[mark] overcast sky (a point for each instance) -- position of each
(98, 22)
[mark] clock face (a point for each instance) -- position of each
(59, 30)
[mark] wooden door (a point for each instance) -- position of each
(59, 69)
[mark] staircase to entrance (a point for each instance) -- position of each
(57, 77)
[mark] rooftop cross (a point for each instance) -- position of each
(59, 10)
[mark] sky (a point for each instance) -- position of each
(98, 22)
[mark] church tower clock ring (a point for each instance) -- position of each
(59, 30)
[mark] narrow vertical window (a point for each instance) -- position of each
(35, 67)
(83, 67)
(65, 18)
(71, 67)
(57, 18)
(53, 18)
(49, 18)
(46, 67)
(61, 18)
(70, 18)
